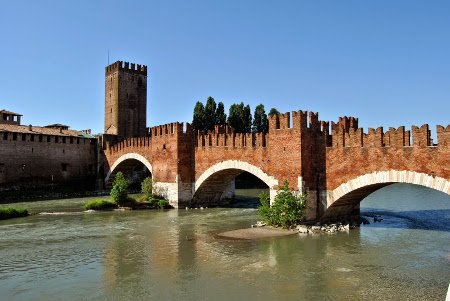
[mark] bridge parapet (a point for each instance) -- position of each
(236, 140)
(169, 129)
(397, 138)
(443, 135)
(301, 120)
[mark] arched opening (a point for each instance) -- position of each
(345, 200)
(247, 190)
(134, 167)
(217, 185)
(408, 206)
(134, 171)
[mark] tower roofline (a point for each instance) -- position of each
(126, 66)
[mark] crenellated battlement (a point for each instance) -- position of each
(345, 123)
(301, 120)
(400, 137)
(238, 140)
(126, 66)
(169, 129)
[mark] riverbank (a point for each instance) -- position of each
(38, 195)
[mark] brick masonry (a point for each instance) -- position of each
(335, 168)
(29, 160)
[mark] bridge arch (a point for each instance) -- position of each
(128, 156)
(342, 200)
(216, 182)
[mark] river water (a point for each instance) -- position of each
(176, 255)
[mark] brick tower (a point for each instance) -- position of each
(125, 100)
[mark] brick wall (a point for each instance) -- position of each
(35, 161)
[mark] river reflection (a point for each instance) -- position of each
(176, 255)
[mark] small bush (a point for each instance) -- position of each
(142, 198)
(9, 212)
(287, 210)
(119, 193)
(162, 204)
(99, 204)
(147, 186)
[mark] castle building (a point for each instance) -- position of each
(39, 156)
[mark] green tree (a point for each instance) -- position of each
(274, 111)
(221, 117)
(260, 123)
(247, 119)
(287, 210)
(210, 114)
(119, 193)
(198, 120)
(236, 117)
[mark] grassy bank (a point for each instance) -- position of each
(99, 204)
(10, 212)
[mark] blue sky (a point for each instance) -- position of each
(386, 62)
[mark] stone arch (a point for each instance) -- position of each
(214, 181)
(344, 198)
(129, 156)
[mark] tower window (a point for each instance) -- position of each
(5, 136)
(64, 166)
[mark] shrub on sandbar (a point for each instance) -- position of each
(9, 212)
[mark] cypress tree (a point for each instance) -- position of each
(260, 122)
(199, 116)
(274, 111)
(210, 114)
(236, 117)
(221, 117)
(247, 119)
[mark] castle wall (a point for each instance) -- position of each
(41, 160)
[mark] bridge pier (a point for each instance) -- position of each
(178, 194)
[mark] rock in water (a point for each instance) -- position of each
(302, 229)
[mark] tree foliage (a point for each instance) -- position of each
(287, 210)
(274, 111)
(260, 122)
(198, 122)
(221, 117)
(240, 118)
(210, 114)
(147, 186)
(236, 117)
(247, 119)
(119, 193)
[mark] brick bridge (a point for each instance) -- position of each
(337, 168)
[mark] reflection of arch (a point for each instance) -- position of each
(215, 180)
(128, 156)
(344, 198)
